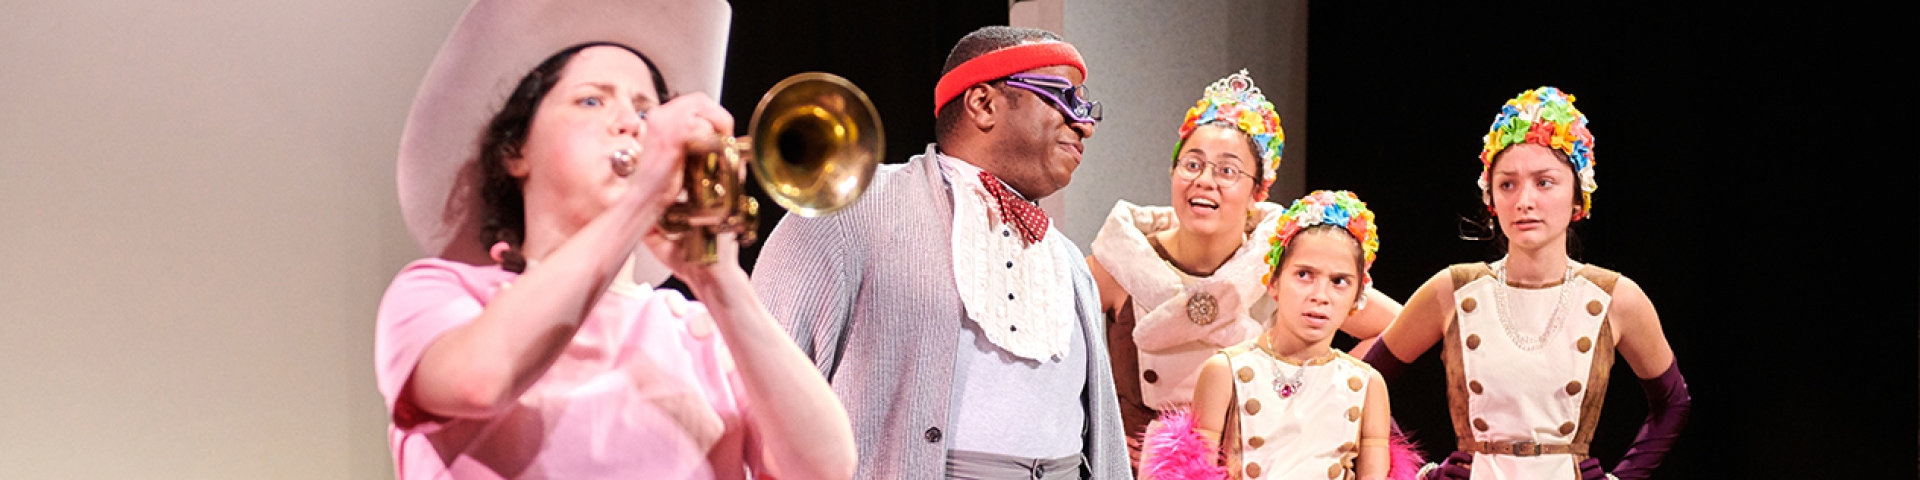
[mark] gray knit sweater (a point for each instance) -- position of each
(868, 293)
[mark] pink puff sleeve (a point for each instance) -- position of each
(427, 298)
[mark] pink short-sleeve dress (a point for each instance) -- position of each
(645, 389)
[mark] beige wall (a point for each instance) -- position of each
(200, 219)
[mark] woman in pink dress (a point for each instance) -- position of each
(544, 357)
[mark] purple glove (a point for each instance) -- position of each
(1668, 406)
(1590, 470)
(1458, 466)
(1382, 360)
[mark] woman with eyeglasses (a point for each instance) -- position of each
(1179, 283)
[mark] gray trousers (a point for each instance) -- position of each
(971, 465)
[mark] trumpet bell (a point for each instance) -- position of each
(816, 141)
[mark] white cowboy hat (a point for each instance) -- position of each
(496, 43)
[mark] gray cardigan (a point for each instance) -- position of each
(868, 293)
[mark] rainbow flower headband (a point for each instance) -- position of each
(1322, 207)
(1543, 116)
(1235, 98)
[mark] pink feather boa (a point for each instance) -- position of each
(1174, 450)
(1403, 461)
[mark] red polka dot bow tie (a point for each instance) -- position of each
(1016, 211)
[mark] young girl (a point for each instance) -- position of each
(1288, 405)
(1529, 339)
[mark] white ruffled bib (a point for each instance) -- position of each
(1021, 295)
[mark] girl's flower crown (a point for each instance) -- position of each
(1543, 116)
(1236, 99)
(1338, 208)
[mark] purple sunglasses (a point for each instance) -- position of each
(1070, 99)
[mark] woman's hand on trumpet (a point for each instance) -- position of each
(687, 121)
(664, 134)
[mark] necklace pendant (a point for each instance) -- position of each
(1285, 389)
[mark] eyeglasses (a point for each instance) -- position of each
(1223, 174)
(1070, 99)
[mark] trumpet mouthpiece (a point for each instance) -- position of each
(622, 161)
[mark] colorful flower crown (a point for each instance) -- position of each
(1235, 98)
(1322, 207)
(1543, 116)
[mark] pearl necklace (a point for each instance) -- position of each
(1506, 313)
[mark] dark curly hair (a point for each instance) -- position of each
(502, 209)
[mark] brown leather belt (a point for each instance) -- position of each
(1523, 448)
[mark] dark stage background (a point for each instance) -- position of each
(1732, 189)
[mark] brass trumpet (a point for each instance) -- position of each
(813, 144)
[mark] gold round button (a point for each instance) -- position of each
(1474, 386)
(1573, 387)
(1355, 383)
(1566, 428)
(1335, 470)
(1246, 374)
(1473, 342)
(1585, 344)
(1468, 305)
(1253, 406)
(1480, 424)
(1253, 470)
(1353, 414)
(1256, 442)
(1593, 307)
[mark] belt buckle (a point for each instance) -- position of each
(1526, 448)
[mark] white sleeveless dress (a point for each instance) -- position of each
(1312, 434)
(1525, 394)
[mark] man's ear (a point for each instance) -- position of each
(979, 101)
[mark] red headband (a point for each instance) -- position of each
(1003, 62)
